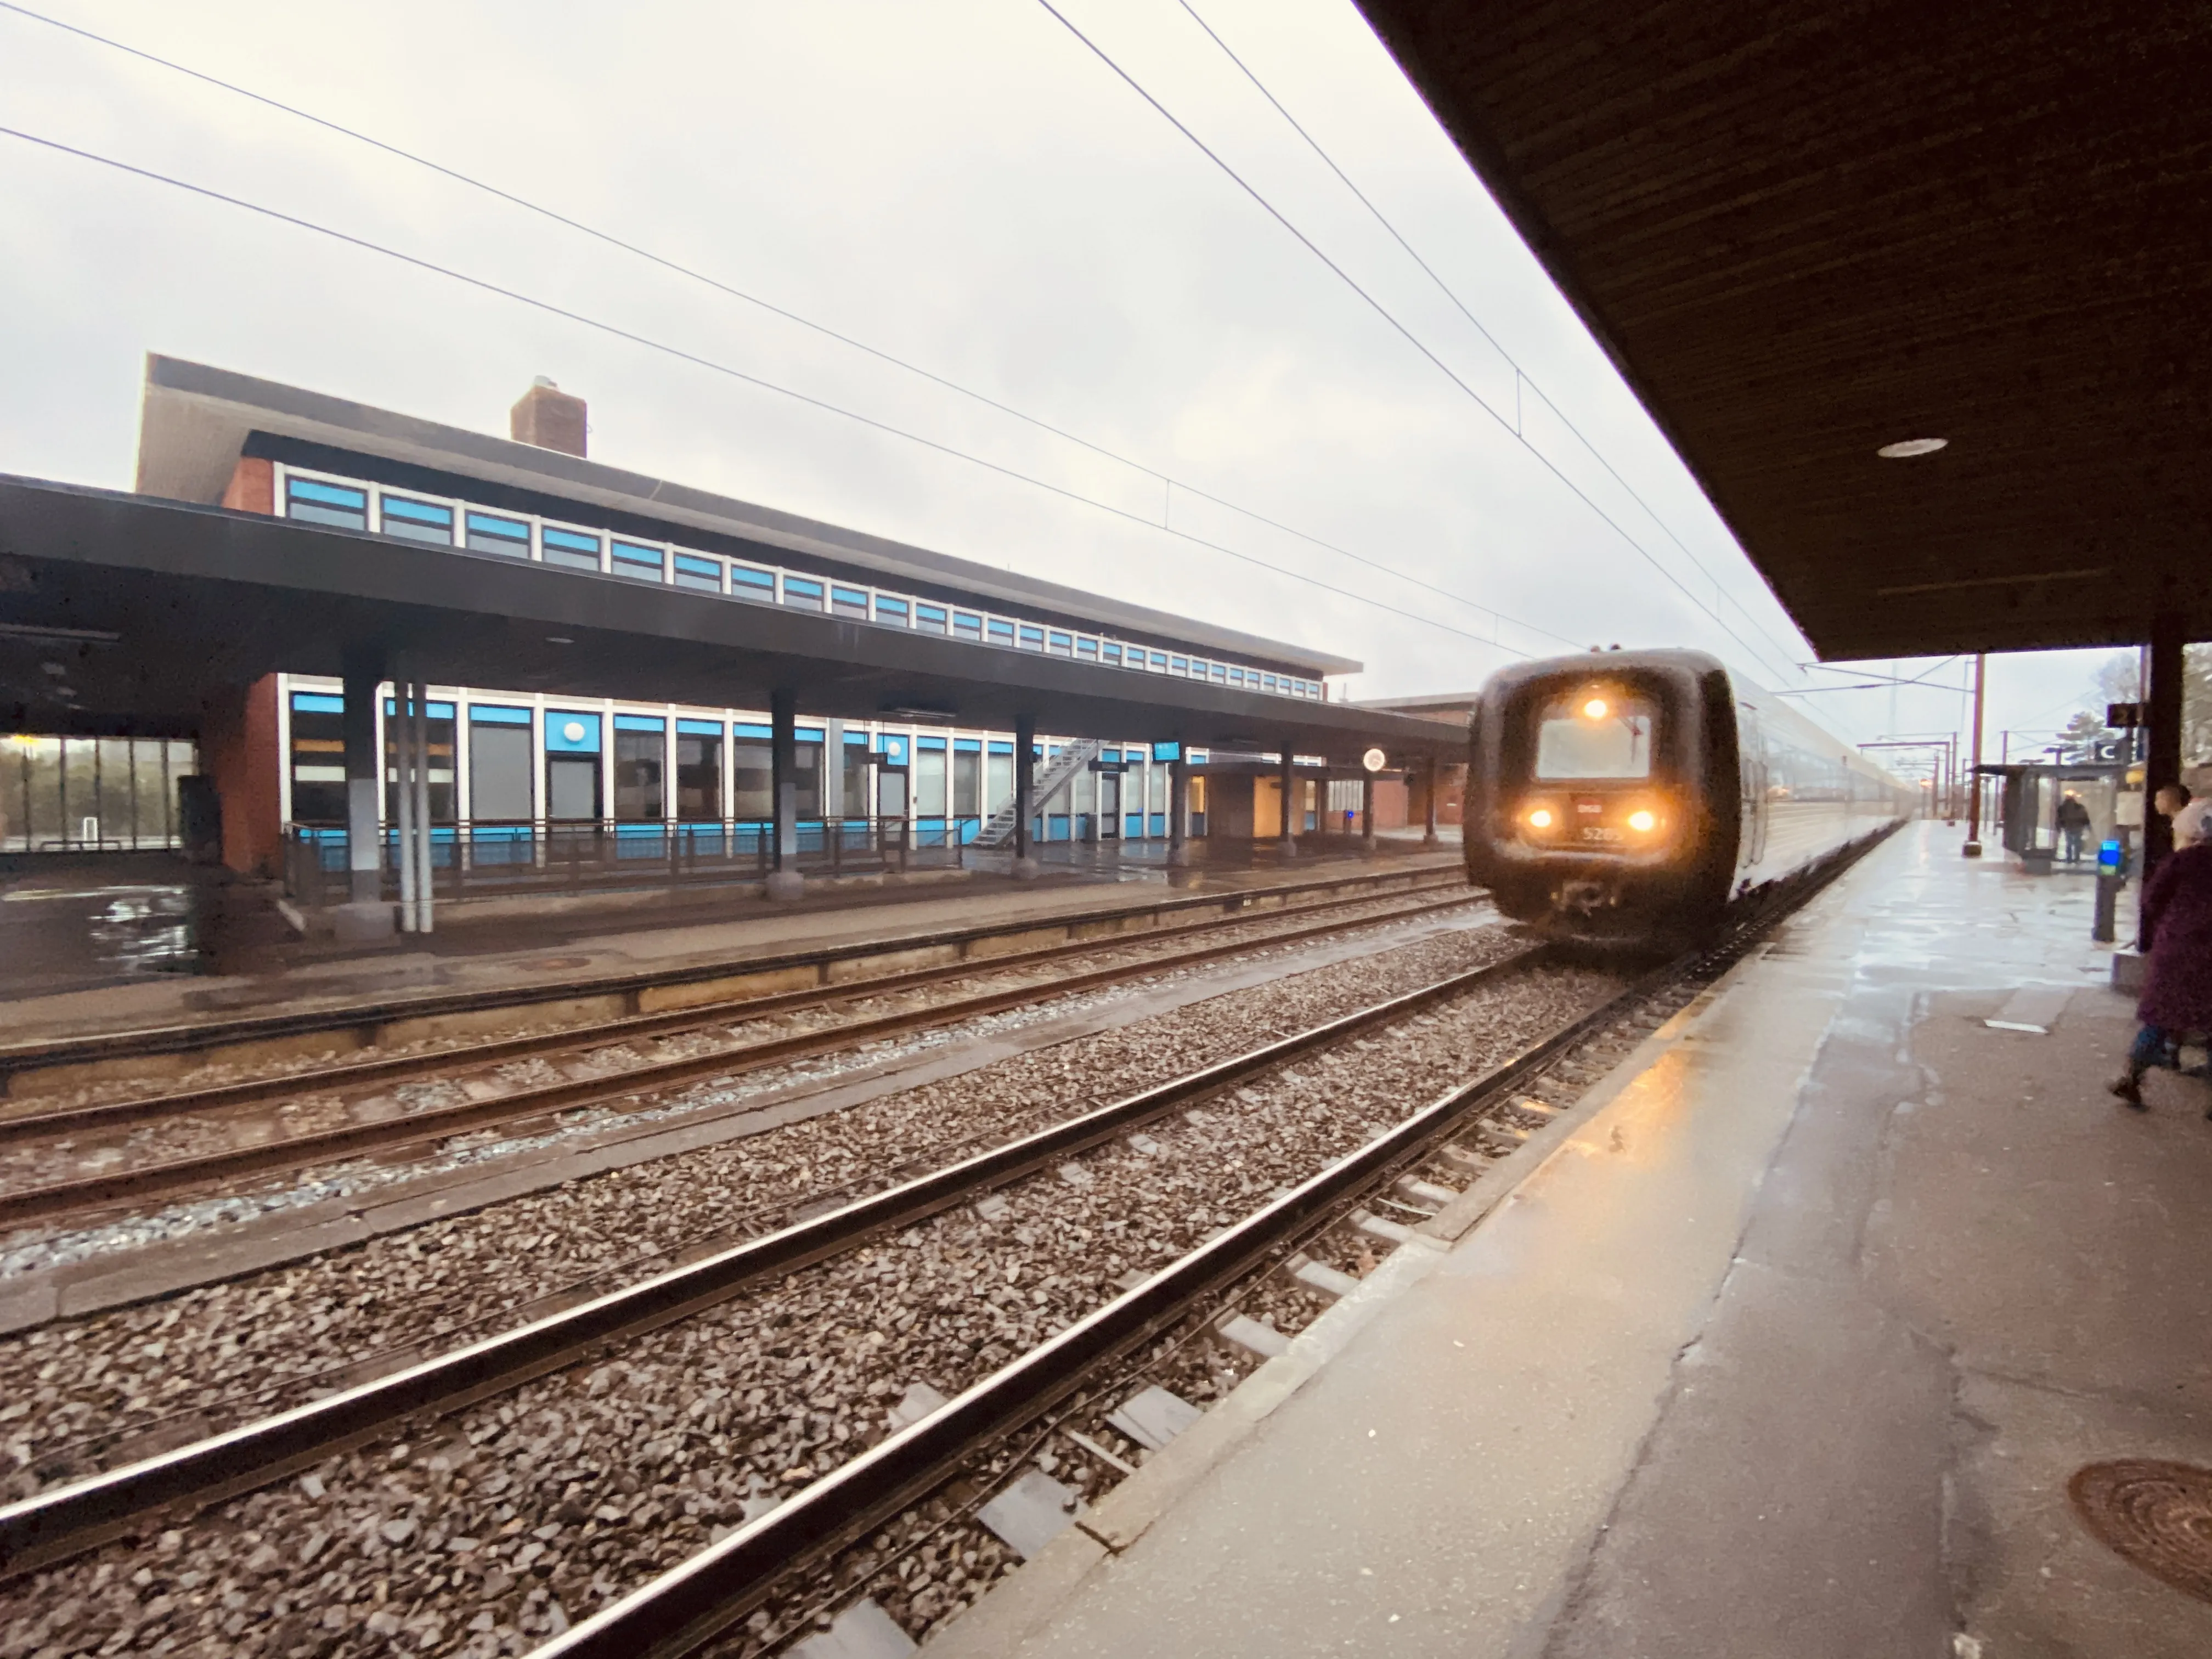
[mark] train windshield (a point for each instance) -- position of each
(1593, 734)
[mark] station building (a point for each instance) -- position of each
(514, 762)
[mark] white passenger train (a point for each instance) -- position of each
(1633, 797)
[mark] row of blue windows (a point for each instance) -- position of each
(350, 506)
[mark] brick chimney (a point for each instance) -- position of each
(547, 417)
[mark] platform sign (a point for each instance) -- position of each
(1116, 765)
(1167, 751)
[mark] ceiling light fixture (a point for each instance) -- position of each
(558, 639)
(1907, 448)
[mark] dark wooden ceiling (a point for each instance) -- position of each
(1807, 231)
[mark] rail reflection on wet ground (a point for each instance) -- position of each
(75, 927)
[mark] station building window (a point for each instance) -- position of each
(998, 776)
(802, 593)
(1000, 632)
(890, 612)
(929, 778)
(319, 774)
(312, 501)
(930, 618)
(967, 778)
(1111, 653)
(416, 521)
(848, 602)
(1159, 662)
(1179, 665)
(571, 550)
(968, 625)
(1086, 649)
(1060, 645)
(571, 766)
(751, 773)
(500, 753)
(698, 770)
(1031, 639)
(641, 758)
(1219, 672)
(487, 532)
(806, 756)
(437, 735)
(699, 575)
(639, 562)
(748, 583)
(856, 777)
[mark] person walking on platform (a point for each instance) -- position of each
(2177, 995)
(2073, 823)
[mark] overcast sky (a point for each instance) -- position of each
(963, 186)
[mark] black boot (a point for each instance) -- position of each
(2128, 1087)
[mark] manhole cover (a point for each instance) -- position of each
(2158, 1515)
(557, 964)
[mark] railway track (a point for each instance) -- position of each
(600, 1063)
(794, 1555)
(43, 1065)
(71, 1519)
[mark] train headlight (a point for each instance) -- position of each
(1538, 818)
(1644, 820)
(1594, 709)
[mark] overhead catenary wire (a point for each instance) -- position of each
(1522, 378)
(680, 353)
(1407, 334)
(693, 274)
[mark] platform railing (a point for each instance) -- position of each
(471, 860)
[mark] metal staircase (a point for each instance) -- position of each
(998, 829)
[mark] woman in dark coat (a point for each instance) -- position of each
(2177, 995)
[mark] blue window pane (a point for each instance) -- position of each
(417, 521)
(801, 594)
(704, 576)
(316, 703)
(1159, 662)
(849, 602)
(1060, 645)
(1086, 648)
(322, 503)
(639, 723)
(967, 625)
(1179, 665)
(1032, 639)
(929, 617)
(1220, 674)
(1112, 652)
(632, 559)
(568, 549)
(748, 583)
(484, 532)
(1002, 632)
(890, 612)
(486, 713)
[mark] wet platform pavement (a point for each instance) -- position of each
(1792, 1346)
(62, 976)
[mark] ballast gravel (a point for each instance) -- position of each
(99, 1392)
(528, 1511)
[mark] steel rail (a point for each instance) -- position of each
(171, 1176)
(600, 1034)
(44, 1053)
(38, 1531)
(691, 1603)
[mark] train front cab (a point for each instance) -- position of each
(1603, 794)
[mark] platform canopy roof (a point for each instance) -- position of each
(1805, 232)
(126, 614)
